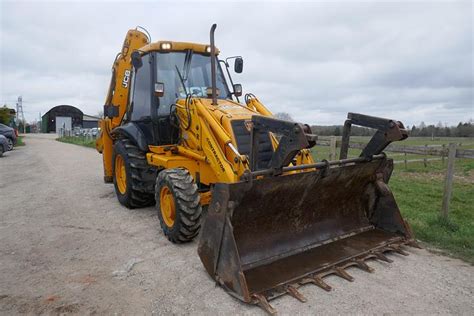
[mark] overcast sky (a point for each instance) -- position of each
(411, 61)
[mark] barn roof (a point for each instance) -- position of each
(63, 107)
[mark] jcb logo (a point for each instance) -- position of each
(126, 78)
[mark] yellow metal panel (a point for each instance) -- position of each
(220, 132)
(168, 161)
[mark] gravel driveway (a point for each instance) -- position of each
(68, 246)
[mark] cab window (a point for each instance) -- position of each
(142, 91)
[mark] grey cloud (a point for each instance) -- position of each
(409, 61)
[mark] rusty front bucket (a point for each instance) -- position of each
(267, 237)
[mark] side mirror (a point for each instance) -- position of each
(159, 89)
(136, 60)
(237, 89)
(238, 65)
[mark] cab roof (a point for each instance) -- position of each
(176, 47)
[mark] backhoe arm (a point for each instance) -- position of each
(117, 96)
(116, 102)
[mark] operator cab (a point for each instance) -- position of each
(164, 72)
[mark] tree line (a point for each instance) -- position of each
(463, 129)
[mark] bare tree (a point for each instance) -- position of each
(284, 116)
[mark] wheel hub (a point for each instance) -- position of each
(167, 206)
(120, 174)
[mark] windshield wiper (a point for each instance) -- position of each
(181, 79)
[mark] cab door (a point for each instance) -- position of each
(141, 103)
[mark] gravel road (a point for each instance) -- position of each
(68, 246)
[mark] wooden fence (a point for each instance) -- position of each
(442, 151)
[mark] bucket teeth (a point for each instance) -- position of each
(414, 244)
(397, 249)
(295, 293)
(317, 278)
(340, 272)
(318, 281)
(363, 266)
(262, 301)
(382, 257)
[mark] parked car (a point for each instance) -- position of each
(84, 131)
(3, 145)
(10, 133)
(77, 131)
(94, 132)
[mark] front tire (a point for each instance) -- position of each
(10, 143)
(178, 205)
(134, 179)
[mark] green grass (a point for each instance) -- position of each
(20, 141)
(82, 141)
(419, 199)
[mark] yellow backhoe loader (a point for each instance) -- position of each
(270, 218)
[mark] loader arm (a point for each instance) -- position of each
(387, 131)
(293, 139)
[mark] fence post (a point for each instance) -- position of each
(406, 167)
(442, 155)
(448, 184)
(332, 148)
(425, 162)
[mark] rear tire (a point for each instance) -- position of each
(178, 205)
(134, 179)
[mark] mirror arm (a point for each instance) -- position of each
(230, 78)
(231, 57)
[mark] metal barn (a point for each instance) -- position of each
(61, 115)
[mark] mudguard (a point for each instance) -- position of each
(134, 133)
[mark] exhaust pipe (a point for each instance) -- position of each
(213, 65)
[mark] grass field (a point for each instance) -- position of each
(83, 141)
(419, 196)
(466, 142)
(419, 191)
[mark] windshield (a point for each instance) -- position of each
(187, 72)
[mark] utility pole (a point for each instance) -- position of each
(19, 113)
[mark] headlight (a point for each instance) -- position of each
(165, 46)
(208, 49)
